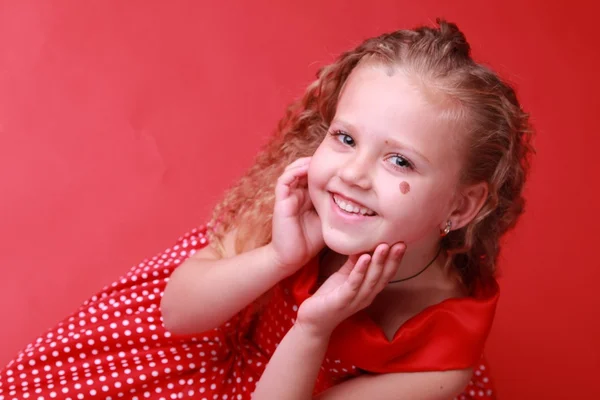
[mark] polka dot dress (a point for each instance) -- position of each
(115, 347)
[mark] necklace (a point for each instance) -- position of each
(421, 271)
(324, 253)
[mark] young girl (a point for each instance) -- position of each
(355, 260)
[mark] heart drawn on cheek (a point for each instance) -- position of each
(404, 187)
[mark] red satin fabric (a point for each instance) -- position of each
(448, 335)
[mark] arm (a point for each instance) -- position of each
(206, 291)
(293, 369)
(437, 385)
(296, 362)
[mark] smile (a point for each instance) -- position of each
(351, 207)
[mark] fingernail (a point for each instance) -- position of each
(400, 248)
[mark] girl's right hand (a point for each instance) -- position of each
(297, 234)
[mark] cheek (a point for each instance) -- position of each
(313, 186)
(415, 206)
(318, 174)
(404, 187)
(322, 166)
(313, 177)
(316, 170)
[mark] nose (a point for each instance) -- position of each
(356, 172)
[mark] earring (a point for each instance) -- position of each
(446, 228)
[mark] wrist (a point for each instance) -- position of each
(316, 332)
(274, 261)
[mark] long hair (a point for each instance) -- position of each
(497, 133)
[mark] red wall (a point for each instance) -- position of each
(122, 122)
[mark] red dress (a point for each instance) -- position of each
(115, 346)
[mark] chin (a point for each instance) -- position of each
(345, 244)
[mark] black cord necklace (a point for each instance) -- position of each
(324, 253)
(421, 271)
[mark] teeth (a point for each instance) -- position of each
(351, 207)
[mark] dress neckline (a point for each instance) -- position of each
(455, 323)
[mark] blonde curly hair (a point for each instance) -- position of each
(498, 134)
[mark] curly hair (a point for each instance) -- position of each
(498, 134)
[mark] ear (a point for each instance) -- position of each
(468, 203)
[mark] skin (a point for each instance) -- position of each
(386, 132)
(404, 187)
(385, 135)
(376, 109)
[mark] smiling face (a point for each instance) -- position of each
(389, 167)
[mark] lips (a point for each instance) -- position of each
(352, 206)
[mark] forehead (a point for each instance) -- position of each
(383, 101)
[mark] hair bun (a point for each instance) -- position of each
(450, 34)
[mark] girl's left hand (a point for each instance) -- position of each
(350, 289)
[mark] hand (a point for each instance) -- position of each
(350, 289)
(297, 235)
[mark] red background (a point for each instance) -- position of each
(121, 123)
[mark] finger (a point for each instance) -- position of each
(299, 162)
(358, 273)
(348, 266)
(306, 204)
(286, 181)
(375, 271)
(346, 293)
(393, 261)
(300, 174)
(302, 180)
(354, 258)
(295, 167)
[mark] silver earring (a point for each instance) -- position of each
(447, 228)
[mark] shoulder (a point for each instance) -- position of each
(223, 247)
(434, 385)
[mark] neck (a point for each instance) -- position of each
(416, 258)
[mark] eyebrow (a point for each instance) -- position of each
(388, 141)
(396, 143)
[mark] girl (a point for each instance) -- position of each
(354, 260)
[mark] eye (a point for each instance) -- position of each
(400, 162)
(343, 138)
